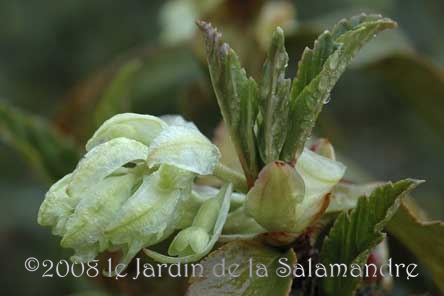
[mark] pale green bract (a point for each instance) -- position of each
(132, 189)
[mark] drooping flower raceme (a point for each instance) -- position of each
(132, 189)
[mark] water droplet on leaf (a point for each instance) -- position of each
(334, 60)
(323, 83)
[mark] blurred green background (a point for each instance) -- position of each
(72, 64)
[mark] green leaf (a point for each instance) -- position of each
(237, 98)
(239, 252)
(355, 234)
(424, 239)
(224, 195)
(319, 70)
(274, 100)
(49, 152)
(115, 98)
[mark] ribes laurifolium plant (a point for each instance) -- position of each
(142, 180)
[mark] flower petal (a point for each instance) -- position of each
(320, 175)
(85, 228)
(345, 196)
(103, 160)
(151, 213)
(142, 128)
(177, 120)
(185, 148)
(57, 206)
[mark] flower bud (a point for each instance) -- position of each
(273, 200)
(207, 215)
(290, 199)
(193, 243)
(194, 239)
(189, 241)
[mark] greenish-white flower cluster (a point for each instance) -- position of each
(134, 188)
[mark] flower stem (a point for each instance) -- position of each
(229, 175)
